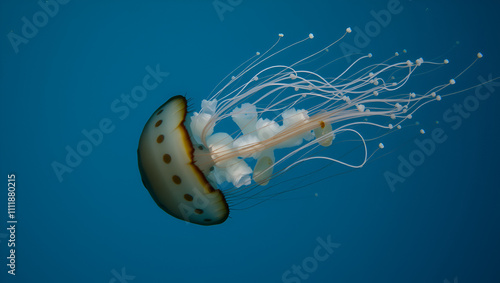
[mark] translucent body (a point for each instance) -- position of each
(261, 124)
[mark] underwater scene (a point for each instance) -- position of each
(250, 141)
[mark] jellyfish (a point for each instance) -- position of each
(264, 119)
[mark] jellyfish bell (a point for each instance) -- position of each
(261, 124)
(166, 164)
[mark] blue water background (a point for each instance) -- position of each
(441, 224)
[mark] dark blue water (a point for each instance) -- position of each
(95, 222)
